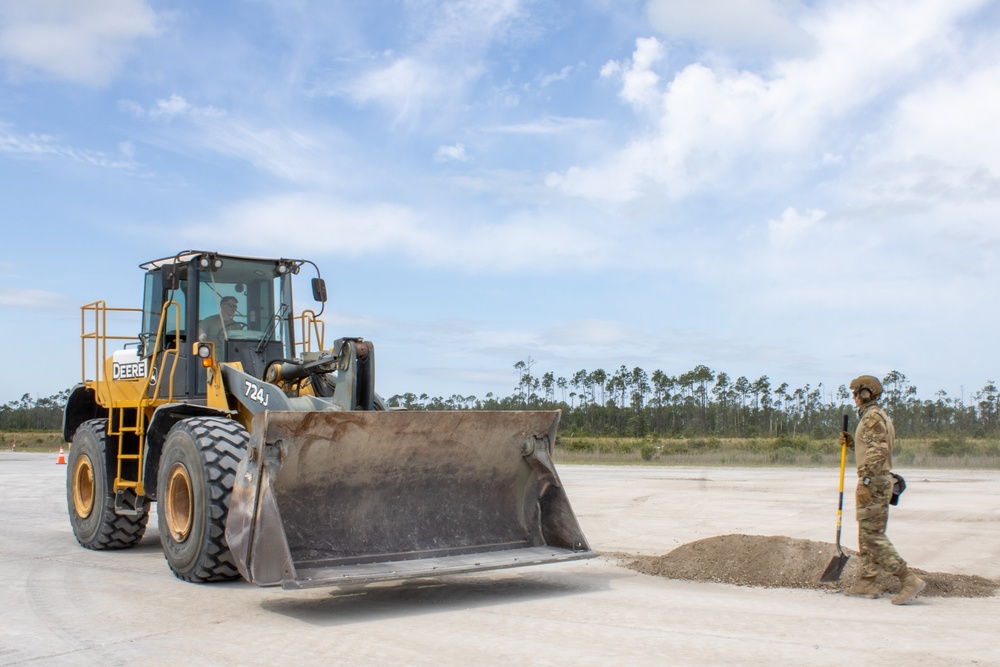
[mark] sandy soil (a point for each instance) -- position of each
(64, 605)
(784, 562)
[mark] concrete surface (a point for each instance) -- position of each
(63, 605)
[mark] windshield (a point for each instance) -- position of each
(241, 300)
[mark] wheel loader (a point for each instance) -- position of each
(270, 456)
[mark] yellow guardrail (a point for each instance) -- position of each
(313, 330)
(99, 337)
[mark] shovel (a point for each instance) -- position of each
(836, 566)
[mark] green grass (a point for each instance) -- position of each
(31, 441)
(952, 452)
(940, 452)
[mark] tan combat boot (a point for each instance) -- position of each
(864, 588)
(912, 585)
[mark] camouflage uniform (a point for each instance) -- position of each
(874, 439)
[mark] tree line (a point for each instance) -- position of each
(34, 414)
(699, 402)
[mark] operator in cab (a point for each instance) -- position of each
(215, 327)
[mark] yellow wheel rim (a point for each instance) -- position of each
(178, 500)
(83, 487)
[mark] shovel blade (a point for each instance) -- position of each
(835, 568)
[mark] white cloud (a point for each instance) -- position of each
(322, 223)
(610, 69)
(639, 85)
(455, 152)
(951, 120)
(792, 226)
(82, 42)
(764, 25)
(545, 125)
(436, 70)
(405, 86)
(561, 75)
(174, 106)
(732, 130)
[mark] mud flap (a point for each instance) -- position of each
(337, 498)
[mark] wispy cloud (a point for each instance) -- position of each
(435, 70)
(291, 153)
(40, 146)
(546, 125)
(561, 75)
(427, 238)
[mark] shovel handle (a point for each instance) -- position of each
(840, 503)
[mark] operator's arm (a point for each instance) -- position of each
(209, 328)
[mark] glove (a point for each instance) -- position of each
(846, 438)
(863, 495)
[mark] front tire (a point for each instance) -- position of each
(90, 502)
(194, 485)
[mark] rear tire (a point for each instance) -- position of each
(194, 485)
(91, 504)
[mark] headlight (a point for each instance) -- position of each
(204, 351)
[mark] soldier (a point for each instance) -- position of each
(873, 442)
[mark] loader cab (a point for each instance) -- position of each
(242, 305)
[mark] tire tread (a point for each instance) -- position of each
(117, 531)
(221, 443)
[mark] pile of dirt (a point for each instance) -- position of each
(783, 562)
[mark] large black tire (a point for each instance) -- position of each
(194, 485)
(91, 504)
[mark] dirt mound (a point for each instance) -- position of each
(783, 562)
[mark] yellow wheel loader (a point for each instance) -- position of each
(270, 456)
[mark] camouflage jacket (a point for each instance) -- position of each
(874, 440)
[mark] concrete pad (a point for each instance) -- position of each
(65, 605)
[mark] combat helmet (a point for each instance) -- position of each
(869, 383)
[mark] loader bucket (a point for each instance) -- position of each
(337, 498)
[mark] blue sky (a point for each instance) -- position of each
(806, 190)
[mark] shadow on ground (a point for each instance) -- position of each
(432, 595)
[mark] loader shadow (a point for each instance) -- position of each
(433, 595)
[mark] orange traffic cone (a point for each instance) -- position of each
(62, 457)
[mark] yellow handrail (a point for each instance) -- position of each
(99, 334)
(175, 349)
(312, 327)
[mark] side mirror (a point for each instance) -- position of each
(171, 279)
(319, 290)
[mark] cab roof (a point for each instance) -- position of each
(186, 256)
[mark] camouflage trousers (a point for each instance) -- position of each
(877, 552)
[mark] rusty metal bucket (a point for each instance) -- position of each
(337, 498)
